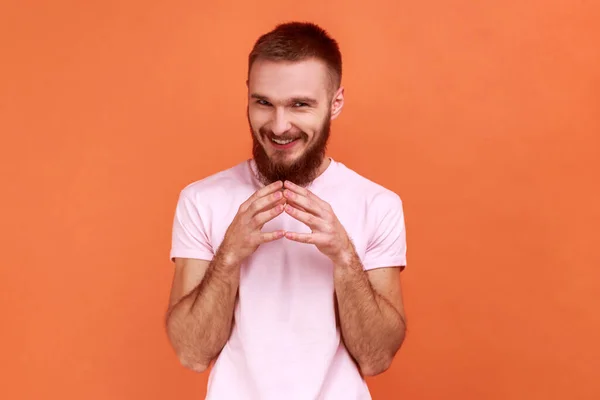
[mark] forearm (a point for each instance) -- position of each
(372, 329)
(199, 325)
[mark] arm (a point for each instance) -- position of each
(203, 293)
(369, 298)
(371, 313)
(201, 309)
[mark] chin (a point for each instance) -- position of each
(287, 162)
(287, 158)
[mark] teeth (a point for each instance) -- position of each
(278, 141)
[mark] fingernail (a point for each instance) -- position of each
(278, 195)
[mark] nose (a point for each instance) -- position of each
(280, 124)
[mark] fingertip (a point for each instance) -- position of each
(275, 185)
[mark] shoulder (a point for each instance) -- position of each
(369, 191)
(218, 186)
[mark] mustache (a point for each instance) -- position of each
(269, 134)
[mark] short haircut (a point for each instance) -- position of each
(299, 41)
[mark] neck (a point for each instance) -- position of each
(324, 164)
(322, 167)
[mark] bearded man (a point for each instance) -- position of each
(287, 265)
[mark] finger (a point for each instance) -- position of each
(306, 193)
(265, 191)
(295, 188)
(300, 237)
(303, 202)
(262, 203)
(313, 222)
(269, 189)
(271, 236)
(263, 217)
(298, 206)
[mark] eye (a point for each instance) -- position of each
(263, 102)
(300, 104)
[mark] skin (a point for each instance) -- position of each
(292, 100)
(287, 100)
(370, 306)
(203, 293)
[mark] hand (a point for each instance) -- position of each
(244, 235)
(328, 234)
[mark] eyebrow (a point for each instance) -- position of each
(297, 99)
(304, 99)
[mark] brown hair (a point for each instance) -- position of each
(298, 41)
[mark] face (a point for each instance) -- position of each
(290, 108)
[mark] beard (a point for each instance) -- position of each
(301, 171)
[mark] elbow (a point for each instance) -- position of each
(186, 357)
(379, 363)
(191, 361)
(192, 364)
(375, 368)
(381, 360)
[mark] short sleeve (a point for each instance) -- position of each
(189, 236)
(387, 243)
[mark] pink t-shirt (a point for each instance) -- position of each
(285, 343)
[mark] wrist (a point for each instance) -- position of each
(227, 260)
(347, 259)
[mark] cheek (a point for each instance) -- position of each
(256, 120)
(309, 124)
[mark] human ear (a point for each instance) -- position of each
(337, 103)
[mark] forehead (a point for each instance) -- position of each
(285, 79)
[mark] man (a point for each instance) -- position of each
(287, 266)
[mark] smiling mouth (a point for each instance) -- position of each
(283, 142)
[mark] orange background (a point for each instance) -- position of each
(483, 116)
